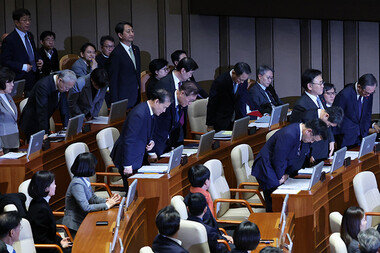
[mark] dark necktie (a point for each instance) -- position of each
(179, 84)
(29, 50)
(180, 115)
(271, 99)
(360, 106)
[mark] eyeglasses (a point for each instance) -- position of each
(330, 93)
(25, 20)
(320, 84)
(108, 47)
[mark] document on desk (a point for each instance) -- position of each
(13, 155)
(150, 176)
(295, 184)
(309, 171)
(352, 154)
(186, 151)
(286, 191)
(99, 120)
(223, 135)
(60, 134)
(259, 125)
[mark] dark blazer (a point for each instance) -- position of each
(166, 83)
(43, 223)
(150, 85)
(137, 132)
(278, 156)
(80, 98)
(125, 80)
(261, 100)
(353, 129)
(223, 102)
(162, 244)
(14, 55)
(41, 105)
(50, 65)
(201, 92)
(101, 60)
(17, 199)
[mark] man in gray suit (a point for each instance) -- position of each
(87, 95)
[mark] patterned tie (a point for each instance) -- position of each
(360, 106)
(320, 105)
(29, 50)
(132, 56)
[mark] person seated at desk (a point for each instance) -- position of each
(80, 197)
(10, 227)
(197, 206)
(158, 69)
(271, 249)
(353, 222)
(48, 53)
(168, 222)
(9, 136)
(329, 94)
(41, 218)
(136, 138)
(47, 94)
(86, 63)
(281, 153)
(369, 241)
(171, 125)
(87, 95)
(246, 237)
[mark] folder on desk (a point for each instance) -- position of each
(174, 161)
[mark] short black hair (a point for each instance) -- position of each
(242, 67)
(175, 55)
(85, 46)
(367, 80)
(156, 65)
(336, 114)
(328, 86)
(6, 76)
(8, 221)
(187, 63)
(262, 69)
(44, 34)
(84, 165)
(308, 76)
(246, 236)
(161, 94)
(40, 181)
(19, 13)
(106, 37)
(198, 174)
(196, 203)
(119, 28)
(271, 249)
(189, 88)
(167, 221)
(318, 127)
(100, 77)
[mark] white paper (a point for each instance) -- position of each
(13, 155)
(264, 119)
(295, 184)
(259, 125)
(152, 176)
(189, 151)
(99, 120)
(60, 134)
(309, 171)
(153, 169)
(286, 191)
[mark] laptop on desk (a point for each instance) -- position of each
(367, 145)
(35, 143)
(118, 112)
(174, 161)
(205, 143)
(240, 129)
(74, 126)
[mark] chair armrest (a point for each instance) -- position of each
(241, 185)
(223, 231)
(109, 167)
(190, 141)
(61, 214)
(109, 175)
(240, 191)
(239, 201)
(66, 230)
(225, 244)
(372, 214)
(49, 246)
(194, 132)
(105, 186)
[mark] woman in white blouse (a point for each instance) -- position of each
(9, 137)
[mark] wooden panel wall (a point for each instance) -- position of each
(344, 50)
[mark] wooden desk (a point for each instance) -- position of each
(312, 208)
(14, 172)
(268, 226)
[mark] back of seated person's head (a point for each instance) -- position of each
(3, 247)
(100, 77)
(246, 236)
(353, 221)
(369, 240)
(175, 56)
(336, 114)
(9, 221)
(270, 249)
(84, 165)
(198, 175)
(196, 204)
(40, 181)
(187, 63)
(167, 221)
(6, 76)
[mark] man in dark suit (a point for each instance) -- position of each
(10, 227)
(19, 51)
(136, 137)
(124, 67)
(46, 95)
(168, 222)
(356, 101)
(226, 96)
(281, 152)
(171, 125)
(107, 45)
(48, 53)
(262, 92)
(87, 95)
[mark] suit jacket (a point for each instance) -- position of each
(8, 120)
(80, 200)
(125, 79)
(17, 199)
(137, 132)
(166, 83)
(50, 65)
(43, 223)
(150, 85)
(41, 105)
(278, 156)
(80, 98)
(14, 55)
(80, 67)
(261, 100)
(223, 103)
(162, 244)
(352, 129)
(101, 60)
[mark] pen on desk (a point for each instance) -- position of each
(266, 241)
